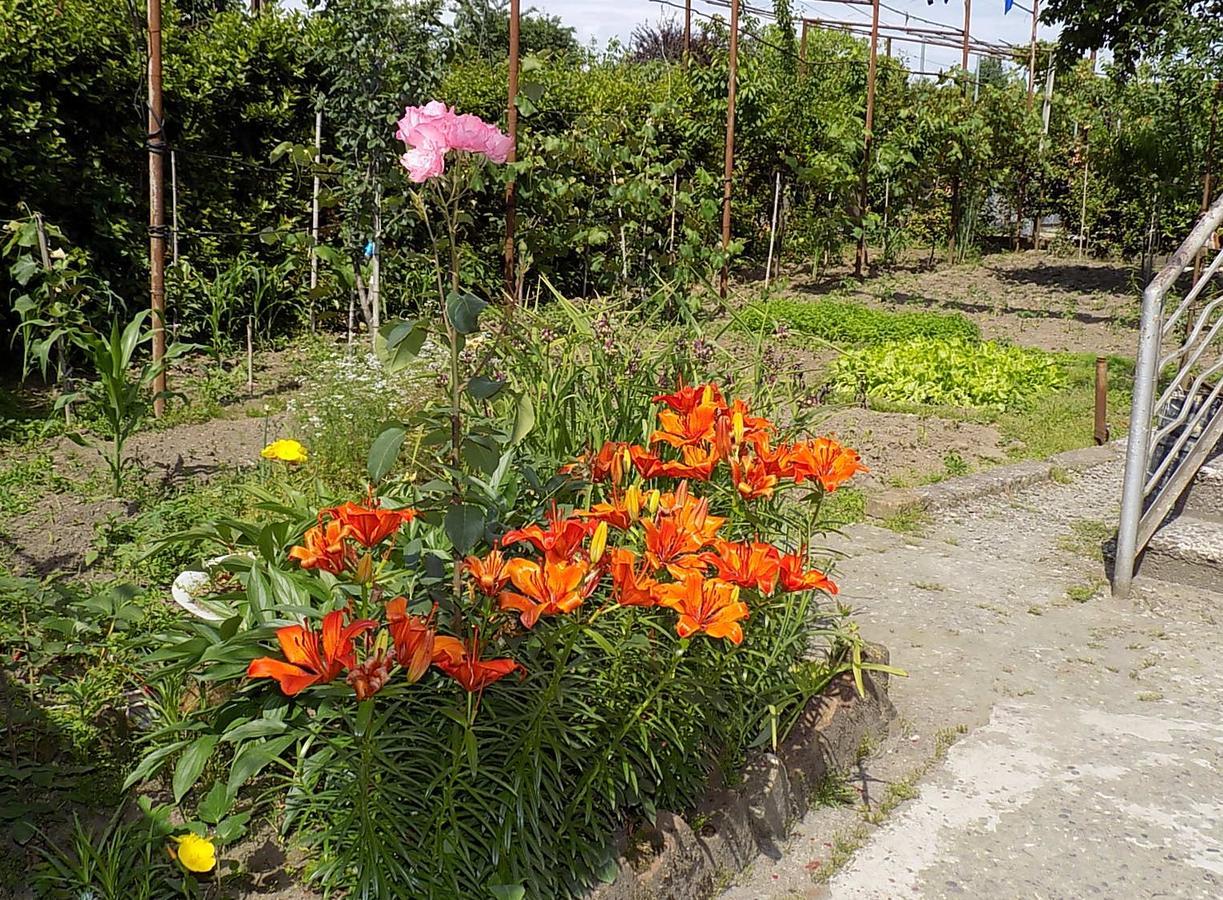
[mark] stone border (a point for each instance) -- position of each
(737, 824)
(998, 480)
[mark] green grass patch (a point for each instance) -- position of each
(846, 322)
(949, 372)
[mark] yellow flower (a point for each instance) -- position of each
(285, 450)
(197, 854)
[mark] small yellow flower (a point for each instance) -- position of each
(285, 450)
(197, 854)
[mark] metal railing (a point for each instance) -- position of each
(1172, 433)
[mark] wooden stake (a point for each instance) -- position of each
(768, 267)
(729, 162)
(511, 124)
(1032, 54)
(1101, 429)
(967, 25)
(802, 49)
(868, 134)
(157, 206)
(250, 357)
(687, 29)
(318, 156)
(174, 207)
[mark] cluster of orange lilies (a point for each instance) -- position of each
(654, 547)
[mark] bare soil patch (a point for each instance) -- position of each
(1032, 298)
(906, 449)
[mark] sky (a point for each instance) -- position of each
(600, 20)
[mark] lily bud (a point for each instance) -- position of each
(632, 503)
(653, 499)
(365, 569)
(737, 426)
(598, 542)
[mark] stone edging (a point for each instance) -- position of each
(998, 480)
(734, 825)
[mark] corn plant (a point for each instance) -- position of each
(123, 388)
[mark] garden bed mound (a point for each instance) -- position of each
(681, 858)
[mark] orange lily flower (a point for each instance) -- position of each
(753, 477)
(755, 565)
(489, 573)
(556, 586)
(631, 586)
(685, 399)
(461, 661)
(693, 426)
(736, 426)
(795, 576)
(324, 548)
(369, 526)
(823, 460)
(697, 463)
(708, 605)
(413, 637)
(369, 677)
(560, 540)
(672, 538)
(313, 657)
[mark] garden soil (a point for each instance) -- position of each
(1033, 299)
(1052, 742)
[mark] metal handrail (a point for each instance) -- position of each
(1152, 485)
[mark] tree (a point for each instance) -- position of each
(482, 27)
(1133, 29)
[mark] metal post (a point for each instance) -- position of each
(1032, 54)
(729, 162)
(174, 207)
(157, 206)
(864, 178)
(967, 20)
(1101, 425)
(1138, 439)
(768, 268)
(511, 123)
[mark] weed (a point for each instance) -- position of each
(909, 521)
(955, 465)
(833, 790)
(1060, 475)
(1035, 610)
(842, 507)
(1081, 593)
(1149, 696)
(933, 586)
(1086, 539)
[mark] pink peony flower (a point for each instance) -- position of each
(430, 131)
(423, 163)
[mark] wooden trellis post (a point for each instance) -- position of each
(729, 162)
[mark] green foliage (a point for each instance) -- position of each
(949, 372)
(847, 322)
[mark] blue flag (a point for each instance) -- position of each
(1009, 4)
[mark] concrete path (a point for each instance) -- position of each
(1052, 742)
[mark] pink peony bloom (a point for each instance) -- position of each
(430, 131)
(423, 163)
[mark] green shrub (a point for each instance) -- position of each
(949, 372)
(846, 322)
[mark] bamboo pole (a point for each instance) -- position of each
(1032, 54)
(318, 154)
